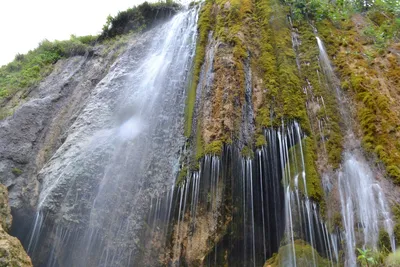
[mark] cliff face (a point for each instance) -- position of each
(232, 134)
(11, 251)
(31, 135)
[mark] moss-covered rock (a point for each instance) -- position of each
(371, 75)
(313, 182)
(5, 213)
(12, 254)
(304, 256)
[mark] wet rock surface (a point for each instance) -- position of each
(11, 251)
(84, 154)
(38, 127)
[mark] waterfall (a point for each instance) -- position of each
(363, 204)
(240, 210)
(122, 148)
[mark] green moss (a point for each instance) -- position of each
(313, 79)
(214, 148)
(372, 105)
(304, 256)
(260, 140)
(204, 26)
(394, 172)
(182, 176)
(199, 143)
(16, 171)
(247, 152)
(283, 99)
(384, 242)
(313, 181)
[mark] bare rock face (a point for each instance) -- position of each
(29, 138)
(11, 251)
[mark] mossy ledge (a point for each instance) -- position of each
(304, 256)
(371, 84)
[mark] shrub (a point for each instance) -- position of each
(138, 18)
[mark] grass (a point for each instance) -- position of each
(29, 69)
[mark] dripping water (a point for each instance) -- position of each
(122, 148)
(363, 204)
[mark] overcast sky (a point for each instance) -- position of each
(24, 23)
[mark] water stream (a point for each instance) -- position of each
(364, 207)
(123, 148)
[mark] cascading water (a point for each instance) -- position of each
(123, 147)
(364, 207)
(234, 209)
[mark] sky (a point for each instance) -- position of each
(25, 23)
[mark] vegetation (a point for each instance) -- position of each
(284, 99)
(314, 10)
(16, 171)
(370, 74)
(304, 256)
(320, 97)
(313, 183)
(29, 69)
(204, 26)
(365, 259)
(138, 18)
(214, 148)
(182, 176)
(225, 20)
(393, 259)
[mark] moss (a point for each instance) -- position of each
(314, 187)
(247, 152)
(283, 98)
(314, 83)
(304, 256)
(313, 181)
(226, 20)
(16, 171)
(214, 148)
(373, 110)
(199, 144)
(204, 26)
(384, 242)
(260, 140)
(182, 176)
(337, 219)
(393, 259)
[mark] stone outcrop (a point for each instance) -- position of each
(11, 251)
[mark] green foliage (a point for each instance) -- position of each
(339, 10)
(138, 18)
(28, 70)
(284, 99)
(182, 176)
(260, 140)
(247, 152)
(384, 243)
(16, 171)
(365, 258)
(361, 69)
(313, 181)
(214, 148)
